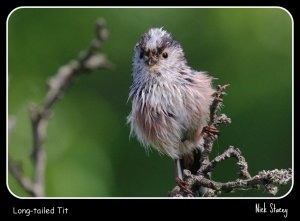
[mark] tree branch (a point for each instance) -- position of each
(214, 121)
(231, 152)
(217, 102)
(263, 178)
(16, 172)
(88, 60)
(267, 179)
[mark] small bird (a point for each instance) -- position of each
(170, 101)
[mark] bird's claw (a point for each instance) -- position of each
(211, 130)
(183, 185)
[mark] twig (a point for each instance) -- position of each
(87, 61)
(16, 172)
(217, 102)
(15, 168)
(213, 122)
(230, 152)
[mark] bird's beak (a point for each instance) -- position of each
(152, 59)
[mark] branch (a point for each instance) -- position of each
(217, 102)
(214, 121)
(15, 168)
(231, 152)
(263, 178)
(88, 60)
(267, 179)
(16, 172)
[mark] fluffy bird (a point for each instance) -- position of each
(170, 100)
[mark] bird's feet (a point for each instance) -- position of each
(211, 130)
(183, 185)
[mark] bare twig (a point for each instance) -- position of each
(87, 61)
(16, 172)
(214, 121)
(14, 167)
(219, 94)
(230, 152)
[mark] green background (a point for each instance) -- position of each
(89, 152)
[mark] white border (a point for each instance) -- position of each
(137, 7)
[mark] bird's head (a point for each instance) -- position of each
(158, 51)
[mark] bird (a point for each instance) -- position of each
(170, 100)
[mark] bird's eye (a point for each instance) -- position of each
(165, 55)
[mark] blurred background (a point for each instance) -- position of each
(89, 153)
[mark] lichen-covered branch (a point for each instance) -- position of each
(219, 94)
(88, 60)
(214, 121)
(231, 152)
(265, 179)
